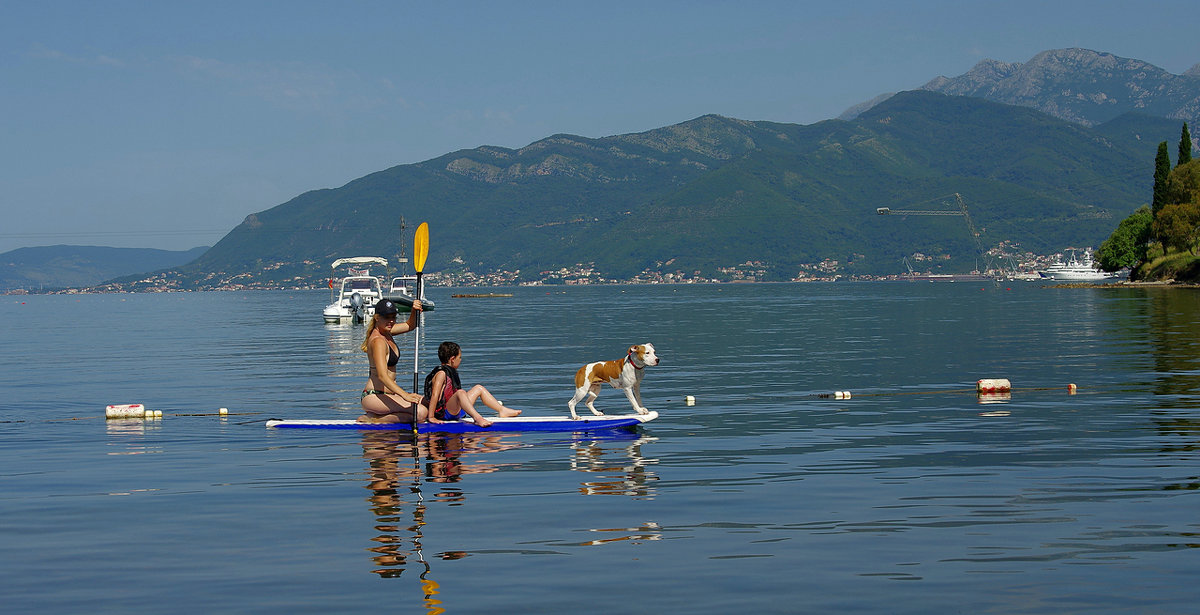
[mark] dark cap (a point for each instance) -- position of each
(385, 307)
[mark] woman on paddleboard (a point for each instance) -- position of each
(383, 401)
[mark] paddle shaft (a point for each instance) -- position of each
(417, 345)
(420, 252)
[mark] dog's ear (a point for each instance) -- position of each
(633, 349)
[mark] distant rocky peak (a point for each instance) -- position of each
(982, 75)
(1065, 61)
(1078, 85)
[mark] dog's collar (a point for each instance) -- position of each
(635, 365)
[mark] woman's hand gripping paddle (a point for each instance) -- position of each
(420, 252)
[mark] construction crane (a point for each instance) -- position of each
(961, 211)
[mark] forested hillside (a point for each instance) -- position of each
(716, 191)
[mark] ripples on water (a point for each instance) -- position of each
(765, 496)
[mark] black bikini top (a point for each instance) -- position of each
(393, 358)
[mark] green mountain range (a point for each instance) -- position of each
(716, 192)
(1047, 154)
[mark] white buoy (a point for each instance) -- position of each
(1071, 389)
(158, 414)
(689, 400)
(125, 411)
(223, 411)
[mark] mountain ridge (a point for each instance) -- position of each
(67, 266)
(715, 191)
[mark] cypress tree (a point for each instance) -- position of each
(1162, 168)
(1185, 146)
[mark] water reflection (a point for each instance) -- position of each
(623, 469)
(647, 531)
(399, 464)
(445, 455)
(345, 350)
(386, 477)
(128, 436)
(986, 399)
(393, 467)
(401, 468)
(1174, 330)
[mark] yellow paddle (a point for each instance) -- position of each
(420, 252)
(420, 248)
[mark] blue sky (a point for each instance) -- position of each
(163, 124)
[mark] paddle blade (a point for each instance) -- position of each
(421, 246)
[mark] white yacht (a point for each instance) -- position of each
(1077, 270)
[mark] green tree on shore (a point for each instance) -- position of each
(1161, 241)
(1185, 147)
(1162, 168)
(1177, 226)
(1126, 247)
(1179, 219)
(1176, 229)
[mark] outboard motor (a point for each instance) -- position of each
(360, 309)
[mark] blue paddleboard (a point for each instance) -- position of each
(516, 423)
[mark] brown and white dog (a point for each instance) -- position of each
(624, 374)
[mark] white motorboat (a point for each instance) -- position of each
(353, 299)
(1023, 276)
(403, 290)
(1076, 270)
(403, 285)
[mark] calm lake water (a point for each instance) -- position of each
(763, 497)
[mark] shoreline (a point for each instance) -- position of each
(1126, 284)
(93, 291)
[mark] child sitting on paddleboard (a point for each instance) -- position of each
(445, 397)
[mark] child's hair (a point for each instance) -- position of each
(447, 351)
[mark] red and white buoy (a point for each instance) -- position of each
(125, 411)
(988, 386)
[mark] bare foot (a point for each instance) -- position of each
(483, 422)
(508, 412)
